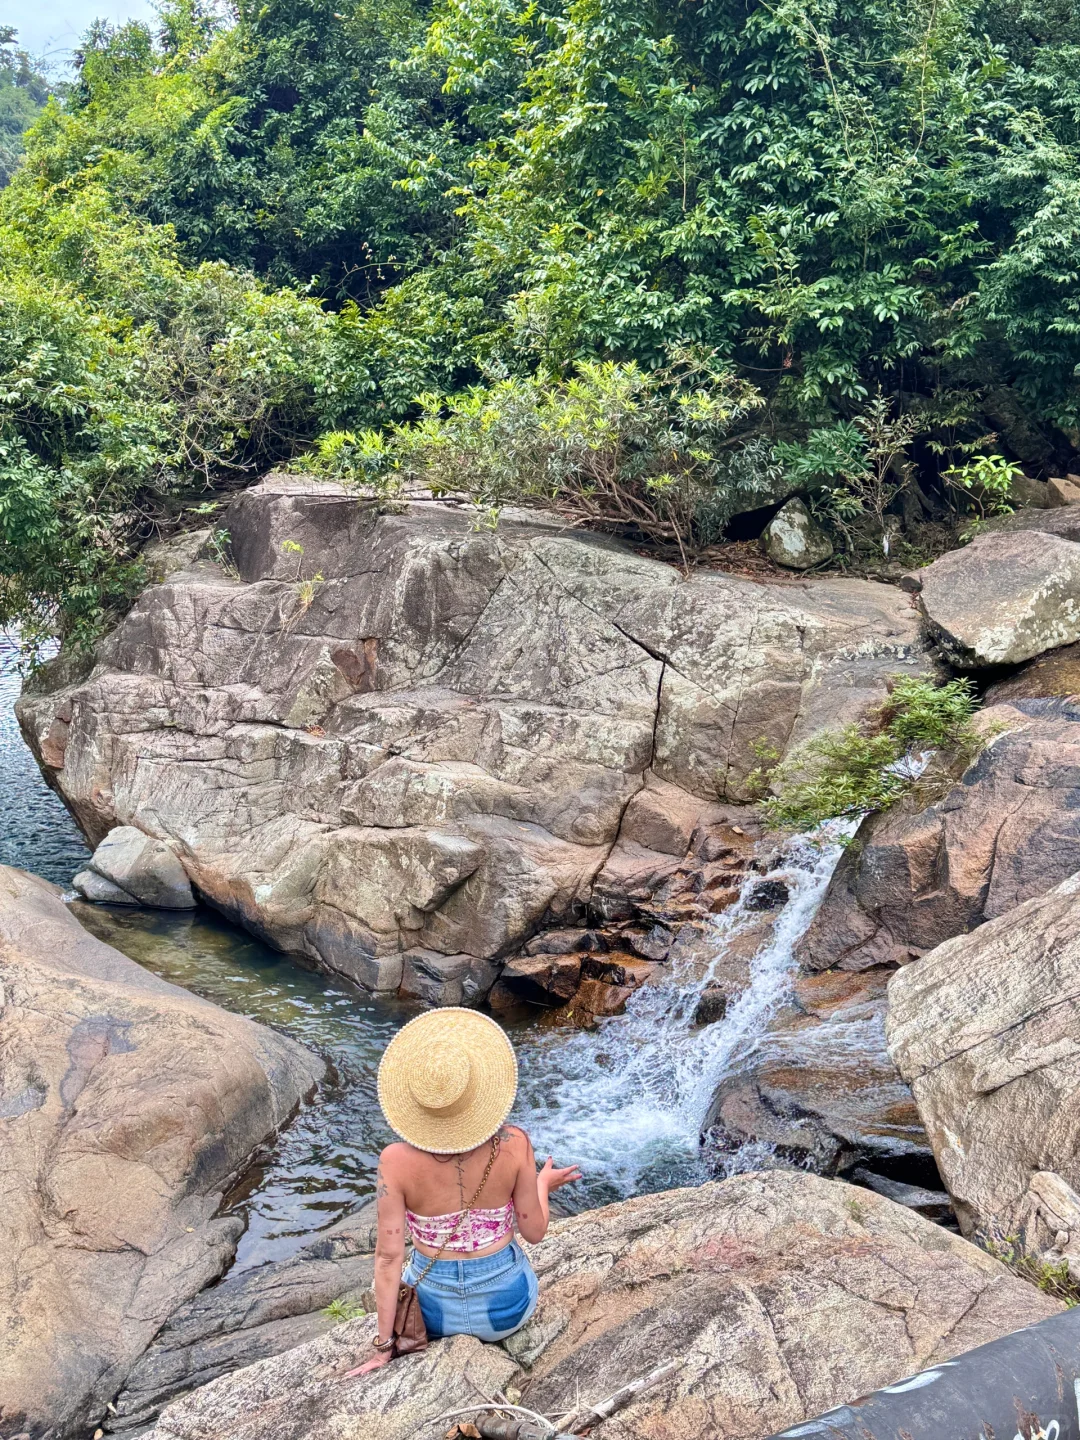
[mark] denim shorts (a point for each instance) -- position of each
(489, 1296)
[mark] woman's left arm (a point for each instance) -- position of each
(389, 1257)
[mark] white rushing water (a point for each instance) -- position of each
(627, 1102)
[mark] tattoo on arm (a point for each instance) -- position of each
(381, 1187)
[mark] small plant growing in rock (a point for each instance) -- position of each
(219, 551)
(342, 1310)
(305, 588)
(867, 767)
(1051, 1276)
(986, 481)
(855, 470)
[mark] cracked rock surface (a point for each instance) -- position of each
(986, 1030)
(785, 1294)
(409, 738)
(126, 1107)
(1007, 831)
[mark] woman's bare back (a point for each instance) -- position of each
(444, 1184)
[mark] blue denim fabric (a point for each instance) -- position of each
(489, 1296)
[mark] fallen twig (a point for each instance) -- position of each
(545, 1426)
(581, 1420)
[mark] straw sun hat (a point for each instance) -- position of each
(447, 1080)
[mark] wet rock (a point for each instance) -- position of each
(1004, 598)
(1054, 674)
(92, 886)
(768, 895)
(653, 944)
(619, 969)
(934, 1204)
(1008, 831)
(820, 1088)
(143, 868)
(542, 979)
(712, 1006)
(593, 999)
(442, 750)
(128, 1105)
(792, 538)
(986, 1029)
(446, 979)
(785, 1293)
(565, 942)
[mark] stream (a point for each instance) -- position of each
(625, 1101)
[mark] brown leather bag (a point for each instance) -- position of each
(410, 1332)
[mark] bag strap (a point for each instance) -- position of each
(466, 1212)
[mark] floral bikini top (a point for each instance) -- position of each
(460, 1233)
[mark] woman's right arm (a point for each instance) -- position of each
(389, 1255)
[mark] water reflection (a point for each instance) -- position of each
(38, 834)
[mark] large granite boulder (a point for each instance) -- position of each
(986, 1030)
(1004, 598)
(781, 1293)
(1009, 830)
(126, 1107)
(431, 748)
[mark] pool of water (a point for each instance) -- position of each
(38, 834)
(625, 1101)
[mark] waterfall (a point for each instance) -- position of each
(627, 1101)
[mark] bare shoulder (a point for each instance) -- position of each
(394, 1159)
(515, 1139)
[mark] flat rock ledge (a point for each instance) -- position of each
(127, 1106)
(782, 1293)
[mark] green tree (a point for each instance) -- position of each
(23, 92)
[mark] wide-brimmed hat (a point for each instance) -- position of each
(447, 1080)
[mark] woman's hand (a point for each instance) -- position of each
(553, 1177)
(379, 1359)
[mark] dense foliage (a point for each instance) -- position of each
(240, 233)
(863, 768)
(23, 92)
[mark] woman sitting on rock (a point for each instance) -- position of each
(459, 1182)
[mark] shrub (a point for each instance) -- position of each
(868, 767)
(652, 454)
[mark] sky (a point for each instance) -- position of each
(53, 27)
